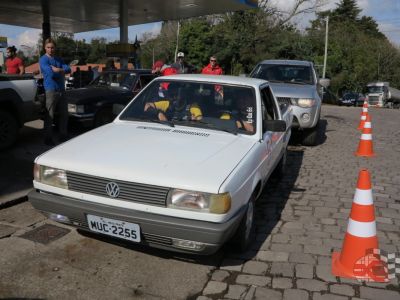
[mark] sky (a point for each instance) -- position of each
(385, 12)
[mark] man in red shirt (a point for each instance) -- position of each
(13, 63)
(164, 70)
(212, 68)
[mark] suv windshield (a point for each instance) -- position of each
(196, 104)
(115, 79)
(284, 73)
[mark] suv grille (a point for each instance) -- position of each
(284, 100)
(135, 192)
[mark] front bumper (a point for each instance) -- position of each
(299, 113)
(156, 230)
(84, 119)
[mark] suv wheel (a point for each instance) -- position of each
(246, 231)
(310, 136)
(8, 129)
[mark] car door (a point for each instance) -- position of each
(272, 141)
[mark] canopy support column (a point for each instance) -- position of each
(123, 29)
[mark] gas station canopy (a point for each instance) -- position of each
(85, 15)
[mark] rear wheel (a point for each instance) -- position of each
(8, 129)
(103, 116)
(246, 231)
(310, 136)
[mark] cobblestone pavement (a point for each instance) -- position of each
(303, 218)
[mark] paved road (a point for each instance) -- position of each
(300, 221)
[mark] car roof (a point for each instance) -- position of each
(140, 71)
(287, 62)
(226, 79)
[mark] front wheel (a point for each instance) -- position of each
(8, 129)
(246, 231)
(310, 136)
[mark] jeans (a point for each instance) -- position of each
(56, 102)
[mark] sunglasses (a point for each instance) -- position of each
(213, 60)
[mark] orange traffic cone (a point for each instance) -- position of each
(362, 120)
(355, 260)
(365, 146)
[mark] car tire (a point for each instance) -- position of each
(245, 234)
(103, 116)
(311, 136)
(8, 129)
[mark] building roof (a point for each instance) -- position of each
(85, 15)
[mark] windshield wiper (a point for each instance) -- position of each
(296, 82)
(168, 123)
(210, 125)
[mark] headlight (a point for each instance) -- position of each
(50, 176)
(303, 102)
(76, 109)
(197, 201)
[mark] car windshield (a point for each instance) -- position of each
(115, 79)
(208, 105)
(284, 73)
(349, 96)
(375, 89)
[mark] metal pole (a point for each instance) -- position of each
(326, 46)
(123, 30)
(177, 40)
(46, 28)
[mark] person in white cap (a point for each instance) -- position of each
(182, 66)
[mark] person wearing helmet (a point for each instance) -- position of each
(175, 106)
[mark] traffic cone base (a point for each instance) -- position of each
(365, 147)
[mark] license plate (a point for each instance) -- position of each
(115, 228)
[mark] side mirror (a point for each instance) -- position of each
(117, 108)
(275, 125)
(325, 82)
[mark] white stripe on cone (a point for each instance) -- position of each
(367, 125)
(365, 109)
(361, 229)
(366, 136)
(363, 197)
(363, 118)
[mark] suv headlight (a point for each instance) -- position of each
(76, 109)
(50, 176)
(197, 201)
(303, 102)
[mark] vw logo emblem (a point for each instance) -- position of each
(112, 189)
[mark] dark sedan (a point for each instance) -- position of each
(93, 105)
(351, 99)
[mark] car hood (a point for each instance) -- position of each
(179, 157)
(293, 90)
(88, 94)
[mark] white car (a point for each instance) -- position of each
(180, 168)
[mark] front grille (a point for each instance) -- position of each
(373, 100)
(134, 192)
(284, 100)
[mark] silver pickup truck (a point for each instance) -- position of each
(18, 104)
(295, 83)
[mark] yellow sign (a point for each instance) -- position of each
(120, 50)
(3, 42)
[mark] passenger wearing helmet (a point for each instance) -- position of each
(175, 106)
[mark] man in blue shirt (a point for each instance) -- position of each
(54, 69)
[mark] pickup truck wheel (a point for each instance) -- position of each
(8, 129)
(310, 136)
(103, 116)
(246, 231)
